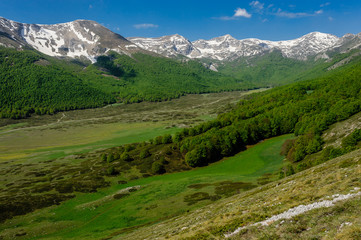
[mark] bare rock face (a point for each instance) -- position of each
(80, 38)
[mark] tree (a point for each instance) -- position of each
(197, 156)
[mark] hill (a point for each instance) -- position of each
(32, 82)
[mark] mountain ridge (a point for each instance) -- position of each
(79, 38)
(229, 48)
(89, 39)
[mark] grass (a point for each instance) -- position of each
(311, 185)
(159, 197)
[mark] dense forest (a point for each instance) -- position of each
(304, 108)
(32, 82)
(149, 78)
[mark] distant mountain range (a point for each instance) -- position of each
(88, 39)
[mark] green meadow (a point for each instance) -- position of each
(101, 214)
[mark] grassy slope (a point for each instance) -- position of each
(338, 176)
(162, 195)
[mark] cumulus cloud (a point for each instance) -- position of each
(145, 26)
(239, 12)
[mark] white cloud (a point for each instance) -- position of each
(90, 6)
(257, 4)
(241, 12)
(330, 19)
(145, 26)
(325, 4)
(286, 14)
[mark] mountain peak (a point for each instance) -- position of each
(79, 38)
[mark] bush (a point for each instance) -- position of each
(110, 158)
(158, 168)
(158, 140)
(126, 157)
(167, 139)
(111, 171)
(144, 154)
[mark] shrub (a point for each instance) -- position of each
(167, 139)
(110, 158)
(111, 171)
(144, 154)
(158, 168)
(126, 157)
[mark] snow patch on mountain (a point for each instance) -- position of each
(80, 38)
(228, 48)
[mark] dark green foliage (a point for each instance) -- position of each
(27, 87)
(35, 83)
(196, 157)
(159, 79)
(349, 142)
(103, 157)
(126, 157)
(287, 170)
(110, 158)
(144, 153)
(158, 168)
(167, 139)
(271, 69)
(107, 63)
(111, 171)
(25, 203)
(158, 140)
(279, 111)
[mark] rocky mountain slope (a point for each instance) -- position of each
(80, 38)
(228, 48)
(89, 39)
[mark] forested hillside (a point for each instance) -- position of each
(31, 84)
(305, 109)
(35, 83)
(150, 78)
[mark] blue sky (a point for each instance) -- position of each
(196, 19)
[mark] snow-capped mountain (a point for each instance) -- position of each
(228, 48)
(89, 39)
(169, 46)
(80, 38)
